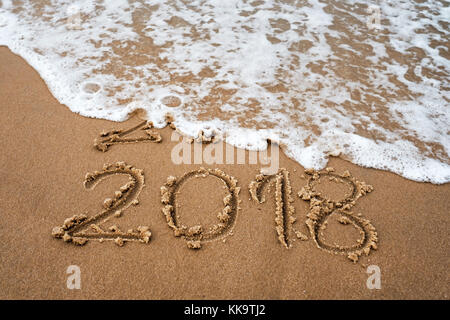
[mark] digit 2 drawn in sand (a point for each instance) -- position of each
(284, 212)
(195, 235)
(109, 138)
(322, 207)
(75, 229)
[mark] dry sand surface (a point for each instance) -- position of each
(255, 251)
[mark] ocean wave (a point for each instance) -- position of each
(366, 80)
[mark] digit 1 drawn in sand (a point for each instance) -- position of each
(284, 212)
(322, 207)
(195, 235)
(75, 229)
(109, 138)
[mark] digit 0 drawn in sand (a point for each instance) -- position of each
(112, 137)
(195, 235)
(80, 228)
(284, 212)
(321, 207)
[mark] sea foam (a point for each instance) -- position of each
(366, 80)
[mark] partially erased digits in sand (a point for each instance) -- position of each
(109, 138)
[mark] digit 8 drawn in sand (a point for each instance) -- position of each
(74, 229)
(322, 207)
(195, 235)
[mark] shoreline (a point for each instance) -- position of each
(48, 150)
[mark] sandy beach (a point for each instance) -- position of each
(47, 150)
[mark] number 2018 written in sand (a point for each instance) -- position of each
(79, 229)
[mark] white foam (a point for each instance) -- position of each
(93, 56)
